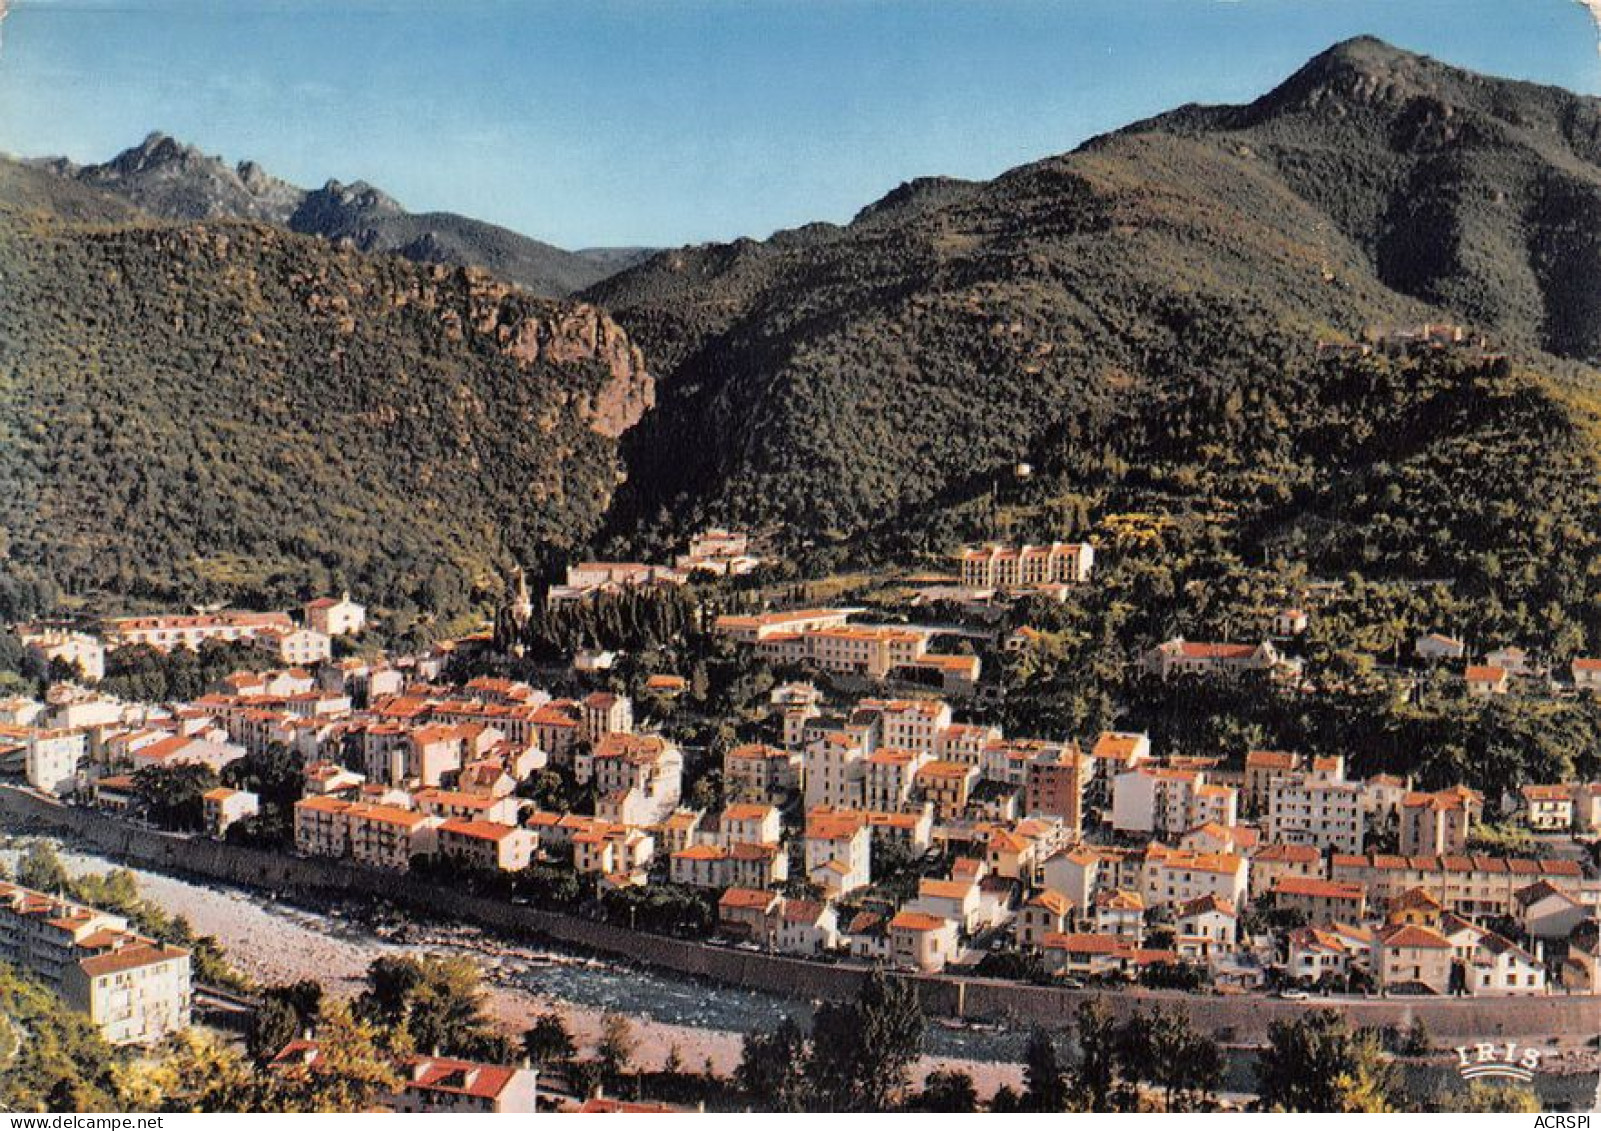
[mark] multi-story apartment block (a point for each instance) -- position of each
(222, 808)
(1437, 824)
(75, 649)
(1547, 808)
(947, 786)
(1176, 876)
(747, 823)
(999, 566)
(605, 713)
(1261, 768)
(455, 804)
(824, 639)
(1055, 785)
(1214, 803)
(487, 845)
(1470, 886)
(795, 704)
(1156, 800)
(965, 743)
(322, 827)
(835, 769)
(756, 772)
(1408, 957)
(134, 990)
(164, 633)
(909, 724)
(51, 758)
(645, 770)
(1114, 753)
(298, 646)
(838, 851)
(1317, 807)
(385, 836)
(756, 628)
(1271, 861)
(1320, 900)
(891, 775)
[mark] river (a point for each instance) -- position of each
(278, 941)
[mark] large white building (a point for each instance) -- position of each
(998, 566)
(834, 769)
(166, 632)
(51, 758)
(134, 990)
(1317, 807)
(78, 649)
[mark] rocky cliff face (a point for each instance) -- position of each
(533, 332)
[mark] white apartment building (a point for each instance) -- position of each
(1002, 566)
(134, 990)
(1155, 800)
(51, 758)
(1317, 807)
(80, 649)
(164, 633)
(644, 770)
(835, 770)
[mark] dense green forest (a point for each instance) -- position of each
(1139, 322)
(1175, 276)
(232, 412)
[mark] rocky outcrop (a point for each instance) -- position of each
(565, 334)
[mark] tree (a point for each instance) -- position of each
(1163, 1049)
(615, 1047)
(435, 1003)
(1484, 1096)
(771, 1072)
(1005, 1101)
(548, 1041)
(1097, 1067)
(862, 1051)
(285, 1013)
(199, 1074)
(947, 1091)
(42, 870)
(1318, 1063)
(49, 1054)
(171, 795)
(350, 1073)
(1044, 1078)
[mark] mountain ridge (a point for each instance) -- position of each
(1142, 304)
(174, 181)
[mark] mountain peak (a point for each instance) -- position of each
(358, 196)
(1363, 70)
(157, 150)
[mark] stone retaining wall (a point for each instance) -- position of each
(1244, 1018)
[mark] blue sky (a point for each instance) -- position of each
(591, 122)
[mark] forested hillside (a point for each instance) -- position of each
(1481, 194)
(228, 411)
(1141, 321)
